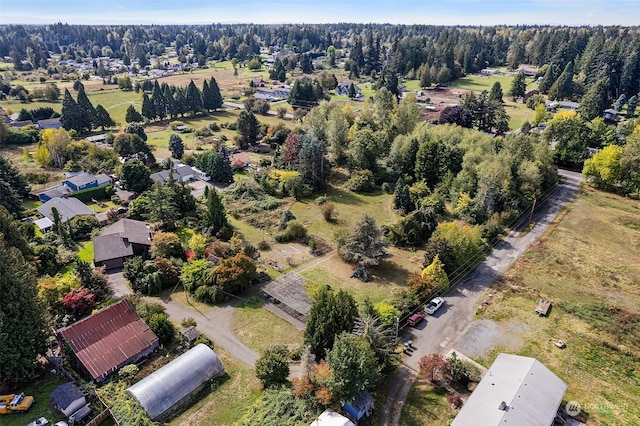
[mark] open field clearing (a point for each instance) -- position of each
(592, 280)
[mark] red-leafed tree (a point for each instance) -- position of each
(291, 150)
(79, 302)
(435, 368)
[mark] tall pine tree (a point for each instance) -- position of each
(218, 101)
(71, 117)
(194, 98)
(87, 111)
(148, 110)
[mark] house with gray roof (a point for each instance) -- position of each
(516, 391)
(68, 208)
(77, 182)
(120, 241)
(181, 173)
(50, 123)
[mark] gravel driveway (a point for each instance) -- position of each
(451, 323)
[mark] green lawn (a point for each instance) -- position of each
(249, 325)
(592, 280)
(85, 253)
(425, 405)
(42, 407)
(108, 205)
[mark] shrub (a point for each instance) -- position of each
(295, 230)
(264, 245)
(321, 200)
(188, 322)
(328, 211)
(455, 400)
(387, 188)
(361, 181)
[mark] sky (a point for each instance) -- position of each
(439, 12)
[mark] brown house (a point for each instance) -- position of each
(109, 339)
(120, 241)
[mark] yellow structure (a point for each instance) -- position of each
(15, 403)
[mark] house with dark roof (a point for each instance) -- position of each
(68, 208)
(108, 340)
(51, 123)
(181, 173)
(68, 398)
(342, 89)
(120, 241)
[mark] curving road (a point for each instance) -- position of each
(441, 331)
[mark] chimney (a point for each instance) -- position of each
(503, 406)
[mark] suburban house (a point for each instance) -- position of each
(331, 418)
(611, 115)
(78, 182)
(108, 340)
(516, 390)
(239, 161)
(51, 123)
(68, 398)
(68, 208)
(488, 71)
(120, 241)
(181, 173)
(342, 89)
(169, 389)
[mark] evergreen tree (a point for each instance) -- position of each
(248, 127)
(218, 102)
(352, 91)
(425, 76)
(132, 115)
(562, 88)
(330, 314)
(226, 172)
(182, 107)
(103, 119)
(518, 86)
(148, 110)
(631, 105)
(169, 100)
(22, 329)
(364, 246)
(622, 99)
(272, 368)
(496, 92)
(135, 176)
(194, 98)
(312, 163)
(402, 198)
(215, 217)
(176, 146)
(71, 117)
(207, 96)
(550, 76)
(159, 102)
(87, 111)
(596, 100)
(162, 203)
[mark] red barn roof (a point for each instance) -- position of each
(109, 339)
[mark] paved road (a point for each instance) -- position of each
(441, 331)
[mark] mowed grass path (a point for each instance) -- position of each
(588, 264)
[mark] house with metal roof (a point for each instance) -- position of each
(517, 390)
(111, 338)
(331, 418)
(120, 241)
(68, 208)
(166, 391)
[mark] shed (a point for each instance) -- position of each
(360, 407)
(68, 398)
(166, 391)
(516, 390)
(189, 335)
(44, 224)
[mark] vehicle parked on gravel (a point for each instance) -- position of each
(434, 305)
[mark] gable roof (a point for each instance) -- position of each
(56, 191)
(530, 391)
(179, 173)
(134, 230)
(64, 395)
(50, 123)
(115, 241)
(67, 207)
(109, 339)
(88, 177)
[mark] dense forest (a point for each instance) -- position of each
(446, 52)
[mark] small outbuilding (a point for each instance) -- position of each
(68, 398)
(360, 407)
(165, 392)
(189, 335)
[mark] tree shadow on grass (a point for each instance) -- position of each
(341, 196)
(389, 272)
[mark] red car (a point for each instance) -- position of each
(415, 319)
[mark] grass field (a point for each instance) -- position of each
(85, 253)
(40, 390)
(248, 324)
(518, 113)
(425, 405)
(592, 279)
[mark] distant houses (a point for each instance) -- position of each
(108, 340)
(342, 89)
(181, 173)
